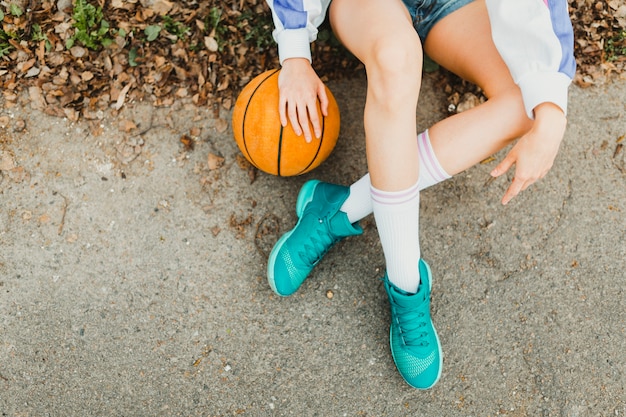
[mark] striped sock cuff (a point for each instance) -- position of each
(431, 171)
(395, 198)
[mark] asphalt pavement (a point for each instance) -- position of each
(132, 275)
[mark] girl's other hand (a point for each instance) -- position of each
(534, 153)
(300, 88)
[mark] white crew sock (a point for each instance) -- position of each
(359, 204)
(397, 220)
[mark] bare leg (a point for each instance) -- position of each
(380, 34)
(462, 43)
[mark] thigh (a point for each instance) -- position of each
(361, 25)
(461, 42)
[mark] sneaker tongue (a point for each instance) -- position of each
(406, 299)
(341, 226)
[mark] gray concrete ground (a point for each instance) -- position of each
(132, 277)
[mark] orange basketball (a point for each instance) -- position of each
(269, 146)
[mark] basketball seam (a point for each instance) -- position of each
(280, 150)
(243, 119)
(319, 147)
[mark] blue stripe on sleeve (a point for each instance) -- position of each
(562, 26)
(291, 13)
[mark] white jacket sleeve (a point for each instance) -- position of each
(535, 39)
(296, 23)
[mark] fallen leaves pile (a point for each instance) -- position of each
(77, 63)
(153, 50)
(600, 39)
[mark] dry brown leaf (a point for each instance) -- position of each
(121, 4)
(223, 85)
(78, 51)
(127, 125)
(469, 101)
(187, 142)
(221, 125)
(227, 103)
(120, 99)
(162, 7)
(211, 43)
(63, 29)
(10, 97)
(37, 101)
(144, 14)
(95, 128)
(33, 72)
(159, 61)
(86, 76)
(26, 65)
(214, 161)
(6, 162)
(55, 59)
(71, 114)
(181, 92)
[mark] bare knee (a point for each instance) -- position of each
(394, 68)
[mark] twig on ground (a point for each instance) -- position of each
(64, 212)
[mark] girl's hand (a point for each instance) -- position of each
(300, 88)
(534, 153)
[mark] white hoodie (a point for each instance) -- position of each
(534, 37)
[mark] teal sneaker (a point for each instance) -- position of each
(413, 339)
(320, 225)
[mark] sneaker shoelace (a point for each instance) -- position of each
(412, 324)
(318, 244)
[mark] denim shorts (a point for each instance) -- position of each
(426, 13)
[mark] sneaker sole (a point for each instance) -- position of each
(304, 197)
